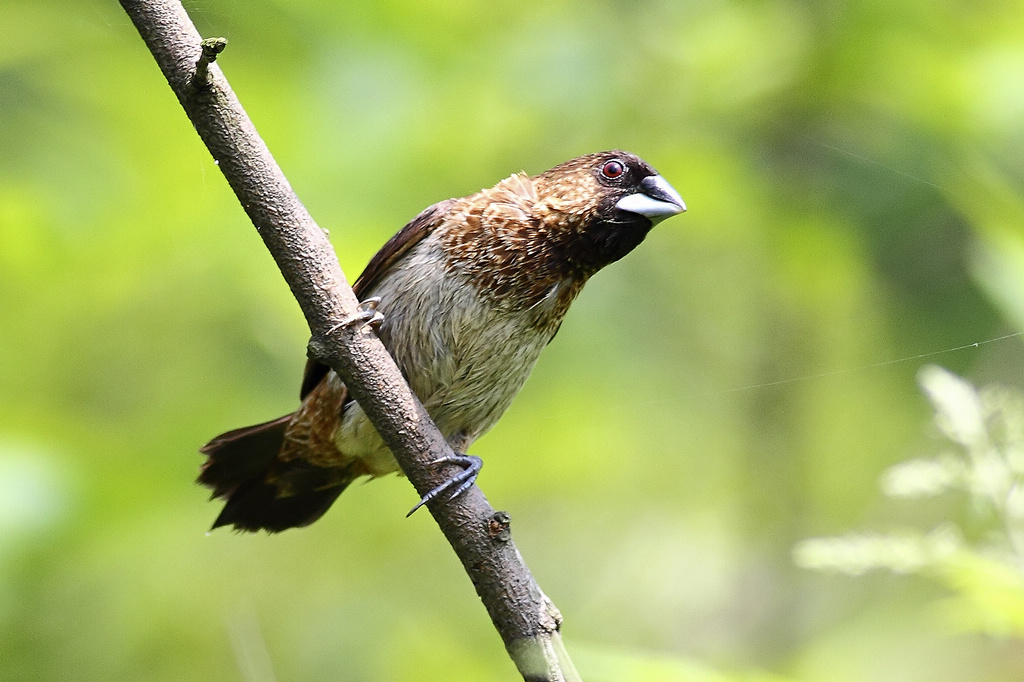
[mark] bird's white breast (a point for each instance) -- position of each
(464, 356)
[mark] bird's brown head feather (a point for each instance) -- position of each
(526, 234)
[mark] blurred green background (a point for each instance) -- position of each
(855, 177)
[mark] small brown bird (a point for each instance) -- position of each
(471, 290)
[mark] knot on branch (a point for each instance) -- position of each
(321, 349)
(211, 48)
(550, 617)
(498, 527)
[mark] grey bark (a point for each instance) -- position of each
(524, 617)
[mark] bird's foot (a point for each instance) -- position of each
(367, 314)
(463, 480)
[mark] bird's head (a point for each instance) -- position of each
(610, 200)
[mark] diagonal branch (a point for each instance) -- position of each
(525, 618)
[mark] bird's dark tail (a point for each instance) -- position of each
(263, 491)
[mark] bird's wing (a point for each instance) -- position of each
(414, 231)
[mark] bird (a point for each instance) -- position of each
(464, 297)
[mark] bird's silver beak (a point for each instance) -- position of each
(657, 200)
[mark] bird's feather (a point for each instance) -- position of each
(471, 291)
(396, 247)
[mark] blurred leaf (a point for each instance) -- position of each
(989, 595)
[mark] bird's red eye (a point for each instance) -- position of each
(612, 170)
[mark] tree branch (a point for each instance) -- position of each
(525, 618)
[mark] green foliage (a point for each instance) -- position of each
(855, 177)
(986, 467)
